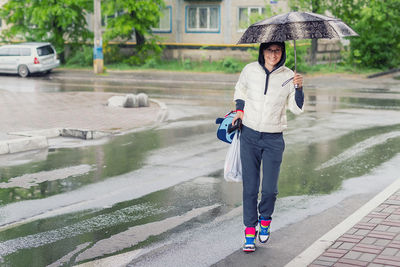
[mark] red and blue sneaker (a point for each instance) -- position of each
(250, 239)
(264, 234)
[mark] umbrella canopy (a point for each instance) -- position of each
(295, 26)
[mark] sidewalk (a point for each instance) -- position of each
(370, 237)
(29, 118)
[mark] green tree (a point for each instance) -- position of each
(54, 21)
(127, 18)
(378, 24)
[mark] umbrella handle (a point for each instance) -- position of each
(295, 58)
(295, 62)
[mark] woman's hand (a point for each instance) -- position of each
(239, 115)
(298, 80)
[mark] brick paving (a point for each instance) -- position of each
(374, 241)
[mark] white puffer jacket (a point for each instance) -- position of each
(266, 112)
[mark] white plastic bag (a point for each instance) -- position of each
(233, 164)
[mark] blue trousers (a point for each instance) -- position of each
(257, 147)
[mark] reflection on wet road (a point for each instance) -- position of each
(148, 192)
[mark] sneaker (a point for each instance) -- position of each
(250, 239)
(264, 234)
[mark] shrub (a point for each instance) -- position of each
(379, 42)
(151, 63)
(81, 56)
(112, 54)
(187, 64)
(231, 65)
(144, 53)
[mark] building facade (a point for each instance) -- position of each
(211, 22)
(187, 25)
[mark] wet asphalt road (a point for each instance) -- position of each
(156, 197)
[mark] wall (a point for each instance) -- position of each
(205, 54)
(228, 33)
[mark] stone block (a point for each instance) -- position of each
(98, 134)
(390, 251)
(382, 242)
(115, 101)
(368, 257)
(130, 101)
(336, 244)
(346, 245)
(368, 240)
(143, 100)
(352, 255)
(77, 133)
(83, 134)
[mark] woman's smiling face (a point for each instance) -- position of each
(272, 56)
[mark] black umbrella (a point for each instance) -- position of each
(295, 26)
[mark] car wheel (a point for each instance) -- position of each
(23, 71)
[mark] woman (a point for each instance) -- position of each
(262, 93)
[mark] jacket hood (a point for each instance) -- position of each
(264, 46)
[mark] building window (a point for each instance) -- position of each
(202, 19)
(246, 14)
(165, 21)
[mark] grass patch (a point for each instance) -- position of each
(227, 65)
(338, 68)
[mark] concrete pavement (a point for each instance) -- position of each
(29, 118)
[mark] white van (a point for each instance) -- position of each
(26, 58)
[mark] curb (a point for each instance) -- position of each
(23, 144)
(49, 133)
(83, 133)
(318, 247)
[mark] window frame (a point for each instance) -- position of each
(5, 53)
(203, 30)
(249, 8)
(13, 51)
(46, 48)
(160, 30)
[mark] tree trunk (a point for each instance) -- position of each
(314, 49)
(316, 8)
(62, 57)
(140, 40)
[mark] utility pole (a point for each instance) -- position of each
(98, 40)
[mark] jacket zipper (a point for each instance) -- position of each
(266, 84)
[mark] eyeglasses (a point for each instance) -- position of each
(272, 51)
